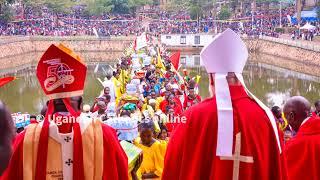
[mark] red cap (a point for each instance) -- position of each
(61, 73)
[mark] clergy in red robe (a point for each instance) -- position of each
(65, 145)
(191, 99)
(302, 151)
(230, 136)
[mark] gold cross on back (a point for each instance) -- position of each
(237, 157)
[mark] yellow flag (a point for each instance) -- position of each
(122, 80)
(159, 61)
(198, 79)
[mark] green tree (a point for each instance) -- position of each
(120, 6)
(224, 13)
(4, 4)
(156, 2)
(98, 7)
(59, 6)
(133, 5)
(35, 5)
(196, 8)
(5, 11)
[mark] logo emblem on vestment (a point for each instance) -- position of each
(58, 74)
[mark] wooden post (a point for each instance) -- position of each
(254, 6)
(298, 8)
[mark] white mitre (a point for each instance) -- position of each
(228, 53)
(225, 53)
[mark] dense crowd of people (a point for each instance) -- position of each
(143, 94)
(51, 24)
(261, 22)
(148, 107)
(152, 90)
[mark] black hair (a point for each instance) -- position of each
(80, 101)
(146, 124)
(275, 109)
(108, 97)
(125, 113)
(168, 108)
(317, 103)
(162, 127)
(44, 110)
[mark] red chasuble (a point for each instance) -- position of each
(302, 152)
(191, 153)
(44, 151)
(114, 161)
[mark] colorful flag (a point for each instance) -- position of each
(175, 60)
(6, 80)
(140, 42)
(159, 61)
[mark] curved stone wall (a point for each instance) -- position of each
(24, 45)
(27, 50)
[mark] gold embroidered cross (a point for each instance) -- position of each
(237, 158)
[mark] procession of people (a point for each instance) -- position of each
(149, 122)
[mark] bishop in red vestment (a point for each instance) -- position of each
(302, 151)
(65, 145)
(230, 136)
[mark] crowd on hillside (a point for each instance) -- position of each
(49, 24)
(260, 23)
(149, 118)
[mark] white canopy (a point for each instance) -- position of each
(308, 27)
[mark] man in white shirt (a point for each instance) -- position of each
(109, 83)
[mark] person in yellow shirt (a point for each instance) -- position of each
(146, 106)
(117, 85)
(163, 138)
(158, 99)
(153, 157)
(123, 78)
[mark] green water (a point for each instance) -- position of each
(271, 84)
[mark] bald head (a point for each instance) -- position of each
(231, 78)
(296, 110)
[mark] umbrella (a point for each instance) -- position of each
(308, 27)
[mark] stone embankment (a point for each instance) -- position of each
(16, 51)
(287, 56)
